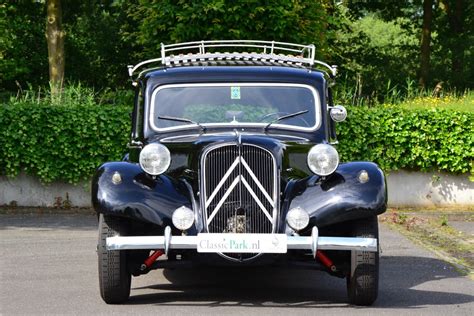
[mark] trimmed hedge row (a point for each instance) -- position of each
(417, 139)
(55, 142)
(68, 142)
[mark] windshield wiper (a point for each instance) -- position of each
(285, 117)
(181, 119)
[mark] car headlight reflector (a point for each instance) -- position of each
(155, 159)
(297, 218)
(183, 218)
(323, 159)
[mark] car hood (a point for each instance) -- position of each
(289, 151)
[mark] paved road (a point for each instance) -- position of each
(48, 266)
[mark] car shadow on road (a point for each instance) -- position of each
(277, 287)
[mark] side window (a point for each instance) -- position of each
(137, 115)
(331, 124)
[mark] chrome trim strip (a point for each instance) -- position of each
(334, 243)
(196, 209)
(255, 197)
(221, 183)
(167, 239)
(202, 182)
(317, 104)
(314, 239)
(222, 201)
(259, 184)
(172, 139)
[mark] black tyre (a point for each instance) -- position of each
(363, 279)
(114, 279)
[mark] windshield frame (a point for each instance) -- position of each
(317, 104)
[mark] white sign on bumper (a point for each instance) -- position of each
(242, 243)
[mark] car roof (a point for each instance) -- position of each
(232, 71)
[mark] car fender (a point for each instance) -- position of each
(340, 197)
(124, 189)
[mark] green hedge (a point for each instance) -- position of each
(417, 139)
(55, 142)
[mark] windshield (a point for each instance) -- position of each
(234, 104)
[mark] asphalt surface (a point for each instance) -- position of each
(465, 227)
(48, 265)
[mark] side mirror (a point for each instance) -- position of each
(338, 113)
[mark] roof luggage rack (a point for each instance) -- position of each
(266, 51)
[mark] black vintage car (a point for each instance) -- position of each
(232, 161)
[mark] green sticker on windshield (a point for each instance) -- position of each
(235, 93)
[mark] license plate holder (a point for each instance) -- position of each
(241, 243)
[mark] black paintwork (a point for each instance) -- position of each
(153, 200)
(236, 74)
(335, 199)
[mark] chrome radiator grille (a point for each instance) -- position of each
(240, 189)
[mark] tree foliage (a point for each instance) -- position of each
(23, 51)
(376, 44)
(95, 46)
(452, 42)
(95, 51)
(172, 21)
(374, 55)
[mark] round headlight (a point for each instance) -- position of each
(183, 218)
(155, 159)
(323, 159)
(297, 218)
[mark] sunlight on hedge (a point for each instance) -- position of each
(464, 103)
(414, 138)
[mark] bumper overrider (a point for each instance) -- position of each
(244, 243)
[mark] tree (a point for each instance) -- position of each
(377, 52)
(95, 42)
(23, 52)
(55, 40)
(457, 36)
(171, 21)
(447, 41)
(425, 42)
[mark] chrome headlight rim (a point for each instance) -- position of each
(297, 218)
(338, 113)
(155, 159)
(183, 218)
(321, 154)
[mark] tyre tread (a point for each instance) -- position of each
(362, 286)
(114, 279)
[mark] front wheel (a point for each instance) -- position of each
(363, 280)
(114, 278)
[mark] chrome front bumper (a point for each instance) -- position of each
(313, 242)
